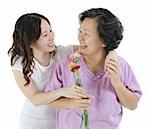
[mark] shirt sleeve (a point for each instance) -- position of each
(55, 81)
(129, 79)
(17, 65)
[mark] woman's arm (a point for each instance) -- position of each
(126, 97)
(40, 98)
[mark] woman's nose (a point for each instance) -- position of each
(80, 36)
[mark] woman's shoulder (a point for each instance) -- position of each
(122, 61)
(124, 65)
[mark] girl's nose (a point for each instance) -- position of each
(51, 35)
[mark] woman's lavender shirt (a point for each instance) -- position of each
(105, 111)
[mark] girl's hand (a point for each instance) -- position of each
(73, 92)
(113, 69)
(112, 55)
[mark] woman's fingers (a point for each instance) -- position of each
(84, 104)
(80, 104)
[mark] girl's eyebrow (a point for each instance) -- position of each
(44, 32)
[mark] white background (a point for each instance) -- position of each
(63, 15)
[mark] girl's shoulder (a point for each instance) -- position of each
(17, 64)
(62, 51)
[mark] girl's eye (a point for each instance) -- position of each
(45, 35)
(50, 31)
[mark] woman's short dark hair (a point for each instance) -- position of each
(109, 27)
(26, 32)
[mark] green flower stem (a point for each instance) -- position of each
(85, 114)
(85, 119)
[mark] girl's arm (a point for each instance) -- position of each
(77, 104)
(39, 98)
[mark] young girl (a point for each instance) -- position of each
(33, 57)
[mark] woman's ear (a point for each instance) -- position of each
(103, 45)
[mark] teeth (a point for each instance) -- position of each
(83, 46)
(51, 45)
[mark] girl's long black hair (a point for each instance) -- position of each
(27, 31)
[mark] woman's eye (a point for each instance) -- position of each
(79, 31)
(86, 34)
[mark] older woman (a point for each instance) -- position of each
(100, 31)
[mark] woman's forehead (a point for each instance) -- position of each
(88, 24)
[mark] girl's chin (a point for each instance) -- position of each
(52, 49)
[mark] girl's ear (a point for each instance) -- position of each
(32, 45)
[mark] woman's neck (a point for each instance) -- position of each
(95, 62)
